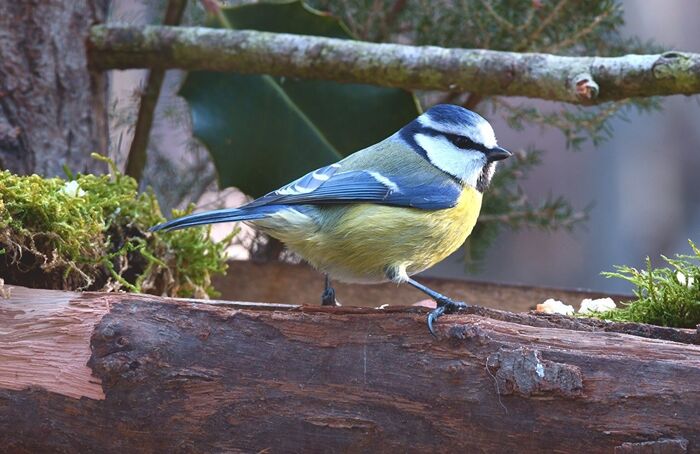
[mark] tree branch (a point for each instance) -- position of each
(580, 80)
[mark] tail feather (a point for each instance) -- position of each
(217, 216)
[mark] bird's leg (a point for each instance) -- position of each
(328, 295)
(444, 304)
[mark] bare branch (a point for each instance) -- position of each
(393, 65)
(525, 43)
(497, 17)
(578, 36)
(136, 160)
(472, 101)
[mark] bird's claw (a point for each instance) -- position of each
(328, 297)
(432, 316)
(444, 307)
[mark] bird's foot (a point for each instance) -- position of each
(328, 297)
(444, 306)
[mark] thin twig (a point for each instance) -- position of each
(450, 98)
(214, 8)
(528, 20)
(472, 101)
(500, 19)
(136, 160)
(578, 35)
(390, 18)
(527, 41)
(546, 213)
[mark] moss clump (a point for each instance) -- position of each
(667, 296)
(90, 232)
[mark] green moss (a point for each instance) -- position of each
(666, 296)
(91, 233)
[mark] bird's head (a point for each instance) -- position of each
(458, 142)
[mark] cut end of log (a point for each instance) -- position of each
(45, 341)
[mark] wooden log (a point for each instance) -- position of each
(134, 373)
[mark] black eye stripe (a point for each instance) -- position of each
(465, 143)
(461, 142)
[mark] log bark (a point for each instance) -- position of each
(579, 80)
(121, 373)
(53, 109)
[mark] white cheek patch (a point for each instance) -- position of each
(463, 164)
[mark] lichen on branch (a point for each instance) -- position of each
(578, 80)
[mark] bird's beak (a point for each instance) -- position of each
(497, 154)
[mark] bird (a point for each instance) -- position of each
(386, 212)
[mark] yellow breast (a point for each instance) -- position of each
(361, 242)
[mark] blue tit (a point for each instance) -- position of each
(385, 212)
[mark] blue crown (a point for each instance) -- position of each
(451, 114)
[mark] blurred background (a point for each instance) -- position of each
(642, 183)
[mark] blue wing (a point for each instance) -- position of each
(331, 185)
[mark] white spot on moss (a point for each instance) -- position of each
(72, 189)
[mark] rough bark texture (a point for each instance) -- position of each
(53, 110)
(585, 80)
(183, 376)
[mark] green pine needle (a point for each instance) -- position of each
(667, 296)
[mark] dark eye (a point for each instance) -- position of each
(463, 142)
